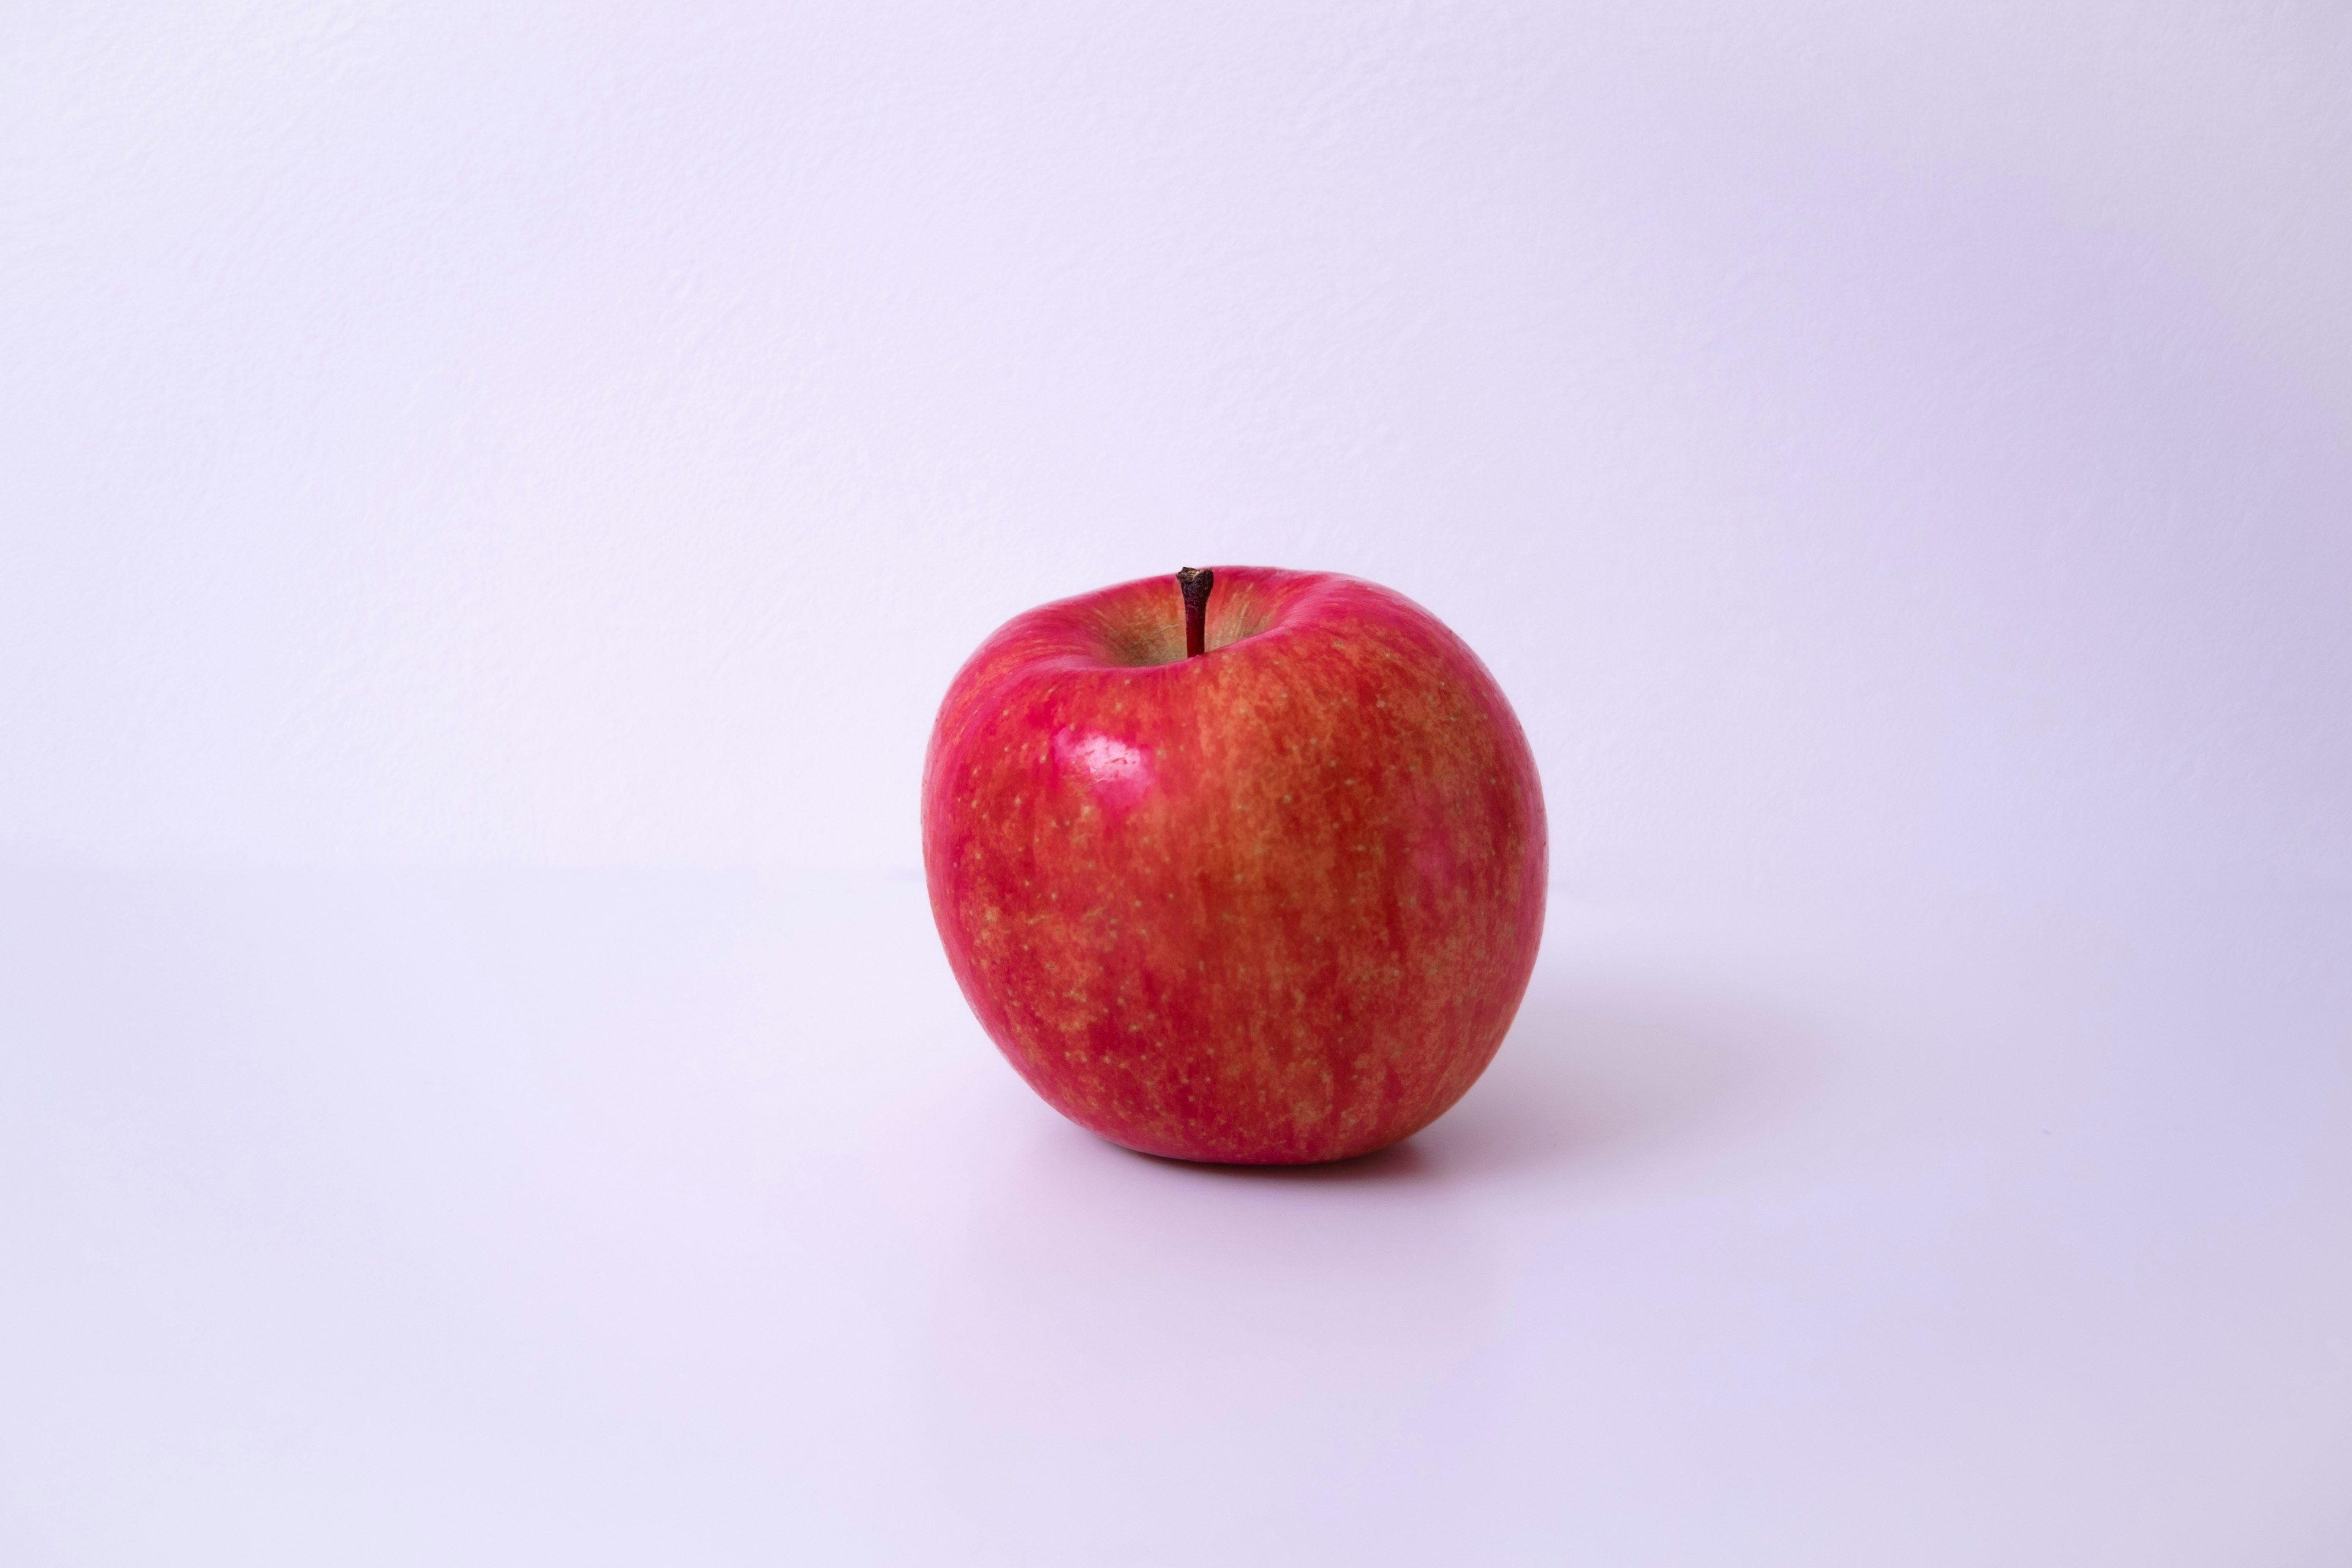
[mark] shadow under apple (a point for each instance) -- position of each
(1594, 1071)
(1599, 1071)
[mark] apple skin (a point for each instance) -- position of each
(1274, 905)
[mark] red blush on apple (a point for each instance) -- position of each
(1244, 866)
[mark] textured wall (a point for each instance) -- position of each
(1864, 449)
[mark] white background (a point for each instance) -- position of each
(490, 499)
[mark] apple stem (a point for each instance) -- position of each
(1195, 582)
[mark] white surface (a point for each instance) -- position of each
(598, 1219)
(1895, 459)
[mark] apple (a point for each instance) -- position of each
(1246, 866)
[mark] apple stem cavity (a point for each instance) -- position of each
(1195, 582)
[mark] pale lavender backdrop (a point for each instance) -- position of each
(491, 496)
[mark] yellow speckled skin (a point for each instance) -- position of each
(1277, 904)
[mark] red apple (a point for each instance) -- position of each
(1270, 904)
